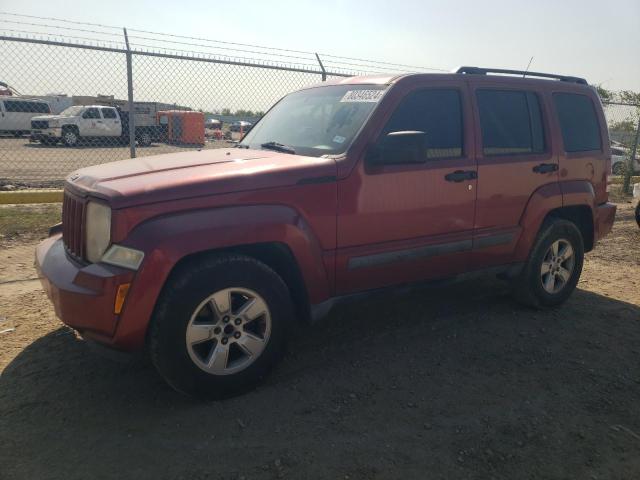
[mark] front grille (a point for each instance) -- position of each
(39, 124)
(73, 212)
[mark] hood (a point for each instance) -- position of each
(190, 174)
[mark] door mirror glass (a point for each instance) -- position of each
(401, 147)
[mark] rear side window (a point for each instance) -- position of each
(109, 113)
(91, 113)
(438, 113)
(578, 122)
(511, 122)
(26, 107)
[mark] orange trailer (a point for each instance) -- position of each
(183, 127)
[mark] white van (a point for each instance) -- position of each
(16, 114)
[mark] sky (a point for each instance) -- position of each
(596, 40)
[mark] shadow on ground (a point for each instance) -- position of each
(455, 382)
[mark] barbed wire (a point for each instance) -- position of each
(268, 50)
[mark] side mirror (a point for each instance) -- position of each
(402, 147)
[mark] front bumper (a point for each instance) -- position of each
(605, 215)
(83, 295)
(46, 133)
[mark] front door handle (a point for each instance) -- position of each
(461, 176)
(545, 168)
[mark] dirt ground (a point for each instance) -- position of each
(452, 382)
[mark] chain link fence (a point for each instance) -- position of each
(71, 104)
(66, 106)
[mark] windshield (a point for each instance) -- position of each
(72, 111)
(317, 121)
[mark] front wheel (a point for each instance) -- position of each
(554, 265)
(638, 214)
(220, 326)
(70, 137)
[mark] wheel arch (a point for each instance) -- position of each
(276, 255)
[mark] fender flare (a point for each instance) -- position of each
(553, 196)
(168, 239)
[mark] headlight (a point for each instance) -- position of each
(123, 257)
(98, 230)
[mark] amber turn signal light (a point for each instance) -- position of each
(121, 295)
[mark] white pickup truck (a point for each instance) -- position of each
(90, 122)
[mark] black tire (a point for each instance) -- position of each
(638, 214)
(70, 137)
(184, 292)
(528, 287)
(144, 139)
(618, 168)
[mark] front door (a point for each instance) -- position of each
(398, 221)
(90, 125)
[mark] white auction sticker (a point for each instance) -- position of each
(362, 96)
(339, 139)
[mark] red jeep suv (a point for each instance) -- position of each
(207, 258)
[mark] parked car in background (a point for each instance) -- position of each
(619, 160)
(240, 125)
(90, 123)
(208, 258)
(16, 114)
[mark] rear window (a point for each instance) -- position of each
(578, 122)
(109, 113)
(511, 122)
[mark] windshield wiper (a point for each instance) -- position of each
(278, 147)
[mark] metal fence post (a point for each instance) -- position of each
(626, 187)
(324, 72)
(132, 126)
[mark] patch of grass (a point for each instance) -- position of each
(18, 222)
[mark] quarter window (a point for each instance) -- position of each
(438, 113)
(578, 122)
(511, 122)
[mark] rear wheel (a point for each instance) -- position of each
(220, 326)
(144, 139)
(554, 265)
(638, 214)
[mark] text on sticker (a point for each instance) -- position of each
(362, 96)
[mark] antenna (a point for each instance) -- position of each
(527, 69)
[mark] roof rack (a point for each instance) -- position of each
(484, 71)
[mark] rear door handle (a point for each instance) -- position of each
(545, 168)
(461, 176)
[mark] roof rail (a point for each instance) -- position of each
(484, 71)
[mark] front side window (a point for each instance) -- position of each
(511, 122)
(91, 113)
(437, 113)
(316, 121)
(578, 122)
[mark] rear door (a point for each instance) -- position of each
(515, 159)
(110, 122)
